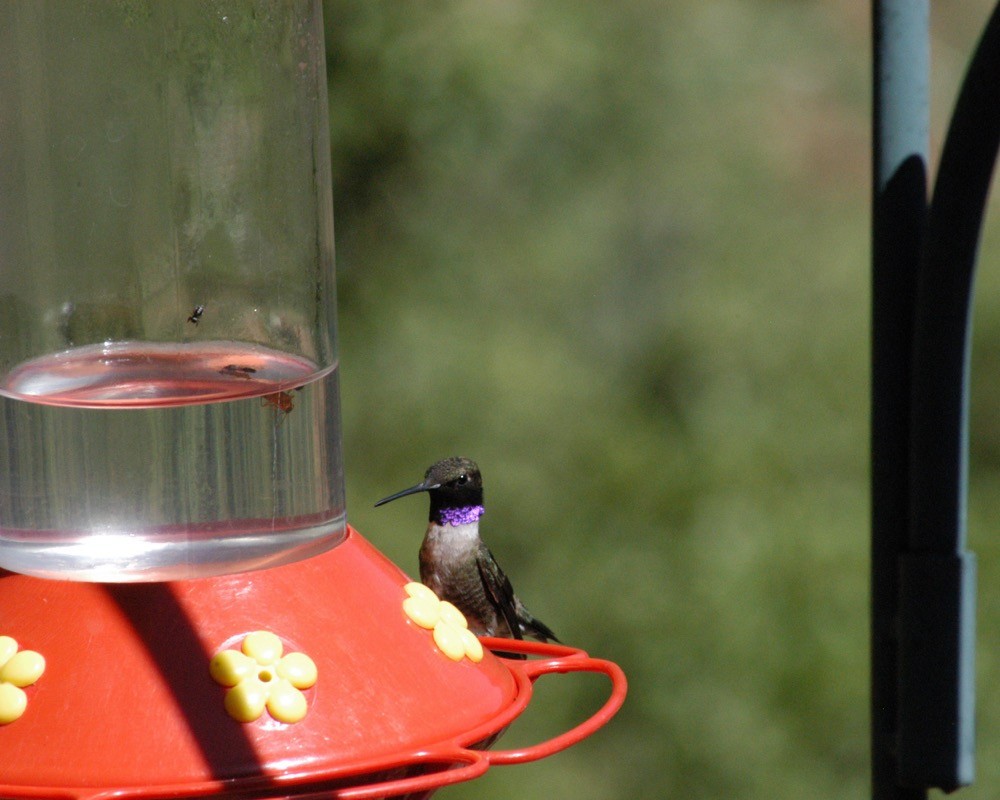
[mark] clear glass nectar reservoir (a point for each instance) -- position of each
(168, 383)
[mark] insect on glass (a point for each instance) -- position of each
(280, 401)
(236, 371)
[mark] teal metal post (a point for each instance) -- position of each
(901, 60)
(923, 577)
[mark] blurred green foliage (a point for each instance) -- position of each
(619, 255)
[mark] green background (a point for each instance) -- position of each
(619, 254)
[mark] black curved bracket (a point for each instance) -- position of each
(924, 257)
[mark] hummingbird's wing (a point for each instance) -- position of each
(498, 590)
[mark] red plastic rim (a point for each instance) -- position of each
(550, 659)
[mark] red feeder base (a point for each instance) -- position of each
(127, 707)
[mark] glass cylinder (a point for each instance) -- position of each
(168, 361)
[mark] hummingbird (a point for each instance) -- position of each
(457, 564)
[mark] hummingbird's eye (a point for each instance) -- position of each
(463, 479)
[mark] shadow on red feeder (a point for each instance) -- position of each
(127, 707)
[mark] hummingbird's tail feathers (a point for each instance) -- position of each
(535, 628)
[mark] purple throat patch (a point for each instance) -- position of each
(461, 516)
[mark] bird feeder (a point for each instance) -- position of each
(184, 610)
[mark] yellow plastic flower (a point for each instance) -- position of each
(258, 676)
(451, 629)
(17, 670)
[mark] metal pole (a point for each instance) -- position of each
(900, 144)
(923, 578)
(938, 575)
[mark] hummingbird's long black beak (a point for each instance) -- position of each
(420, 487)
